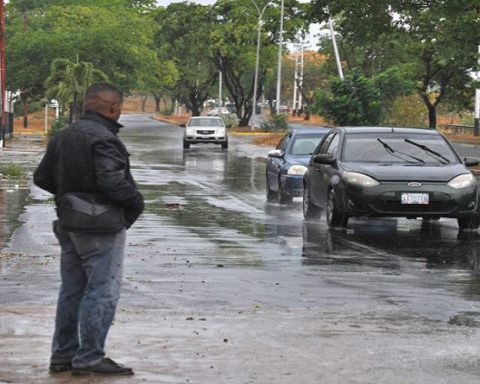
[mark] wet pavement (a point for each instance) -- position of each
(222, 287)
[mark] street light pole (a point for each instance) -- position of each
(2, 72)
(279, 67)
(476, 121)
(260, 13)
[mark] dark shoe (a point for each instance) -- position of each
(60, 367)
(105, 367)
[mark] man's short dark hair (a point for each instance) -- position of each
(96, 89)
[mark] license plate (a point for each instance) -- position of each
(415, 198)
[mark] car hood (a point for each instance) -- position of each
(408, 172)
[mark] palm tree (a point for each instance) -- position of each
(68, 82)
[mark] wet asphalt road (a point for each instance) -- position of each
(221, 287)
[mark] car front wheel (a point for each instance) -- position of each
(310, 211)
(186, 145)
(225, 145)
(272, 196)
(283, 198)
(472, 222)
(334, 217)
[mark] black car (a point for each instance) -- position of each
(390, 172)
(288, 162)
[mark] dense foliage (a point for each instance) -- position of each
(390, 50)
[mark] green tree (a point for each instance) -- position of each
(354, 101)
(68, 82)
(182, 37)
(114, 37)
(233, 41)
(432, 38)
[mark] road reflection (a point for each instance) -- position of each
(381, 242)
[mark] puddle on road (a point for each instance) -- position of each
(13, 199)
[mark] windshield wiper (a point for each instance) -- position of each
(394, 152)
(439, 156)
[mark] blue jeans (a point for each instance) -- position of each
(91, 270)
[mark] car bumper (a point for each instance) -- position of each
(194, 139)
(292, 185)
(385, 200)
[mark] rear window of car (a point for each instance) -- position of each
(206, 122)
(393, 148)
(306, 144)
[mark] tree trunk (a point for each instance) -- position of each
(307, 115)
(432, 116)
(158, 99)
(74, 109)
(25, 114)
(144, 102)
(432, 110)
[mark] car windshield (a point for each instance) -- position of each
(397, 148)
(206, 123)
(305, 144)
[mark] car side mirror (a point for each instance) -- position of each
(324, 158)
(183, 125)
(276, 153)
(471, 161)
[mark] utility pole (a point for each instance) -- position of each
(295, 84)
(2, 72)
(335, 49)
(476, 121)
(300, 80)
(279, 68)
(220, 85)
(260, 13)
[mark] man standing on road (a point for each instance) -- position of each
(88, 158)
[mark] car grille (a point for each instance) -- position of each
(205, 132)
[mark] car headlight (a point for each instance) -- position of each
(297, 170)
(462, 181)
(359, 179)
(190, 131)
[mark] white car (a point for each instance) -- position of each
(203, 129)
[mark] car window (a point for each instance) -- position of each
(332, 147)
(324, 145)
(392, 148)
(206, 122)
(284, 142)
(305, 145)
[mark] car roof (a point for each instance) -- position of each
(426, 131)
(303, 131)
(205, 117)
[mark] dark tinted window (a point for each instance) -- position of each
(367, 148)
(206, 122)
(305, 144)
(323, 147)
(283, 144)
(332, 147)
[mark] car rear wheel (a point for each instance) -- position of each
(310, 211)
(186, 145)
(334, 217)
(472, 222)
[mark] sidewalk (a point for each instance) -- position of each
(23, 149)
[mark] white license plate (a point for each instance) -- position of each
(415, 198)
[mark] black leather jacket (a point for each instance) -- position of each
(89, 157)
